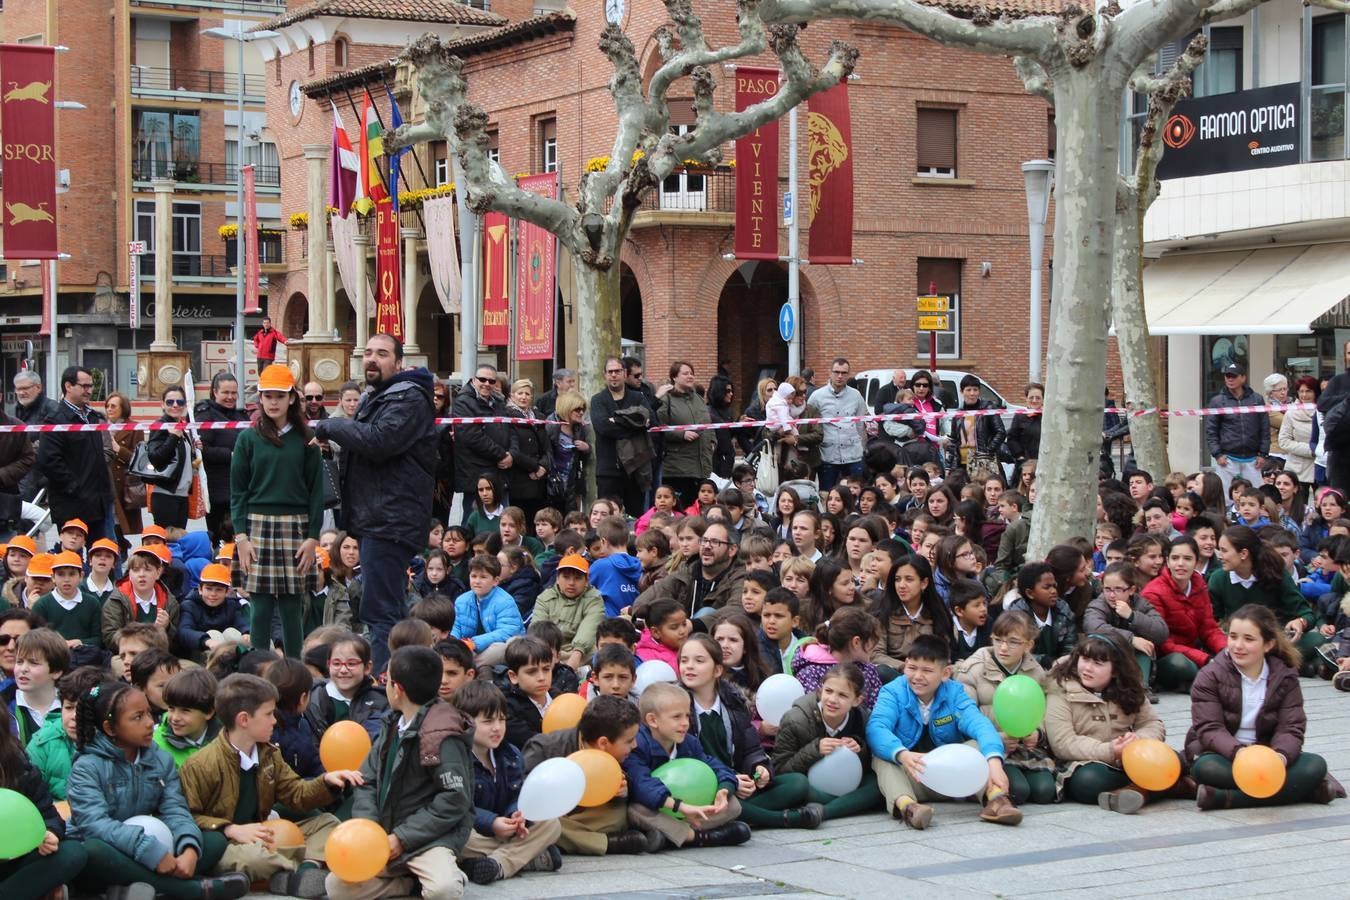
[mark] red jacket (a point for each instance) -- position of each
(1189, 618)
(265, 343)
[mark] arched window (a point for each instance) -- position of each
(340, 53)
(311, 55)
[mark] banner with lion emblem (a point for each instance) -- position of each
(29, 133)
(829, 153)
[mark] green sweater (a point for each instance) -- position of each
(279, 481)
(1287, 603)
(83, 623)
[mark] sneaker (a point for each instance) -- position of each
(811, 815)
(1125, 800)
(483, 870)
(1341, 680)
(229, 886)
(730, 835)
(307, 882)
(1001, 811)
(548, 861)
(630, 842)
(136, 891)
(917, 815)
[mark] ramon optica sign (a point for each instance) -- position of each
(1254, 129)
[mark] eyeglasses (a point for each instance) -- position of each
(87, 385)
(713, 542)
(1010, 643)
(921, 384)
(175, 402)
(482, 380)
(966, 554)
(614, 371)
(345, 664)
(314, 397)
(1115, 590)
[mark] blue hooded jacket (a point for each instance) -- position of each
(896, 723)
(616, 578)
(492, 620)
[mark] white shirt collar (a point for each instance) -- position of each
(967, 636)
(544, 708)
(403, 724)
(716, 707)
(248, 760)
(333, 691)
(830, 732)
(21, 699)
(1042, 623)
(1259, 679)
(67, 604)
(97, 588)
(1234, 578)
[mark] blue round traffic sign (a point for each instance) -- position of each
(787, 322)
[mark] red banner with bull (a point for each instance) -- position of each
(28, 128)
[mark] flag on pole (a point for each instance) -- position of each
(395, 158)
(344, 185)
(247, 243)
(372, 148)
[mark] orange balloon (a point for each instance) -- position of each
(603, 776)
(1258, 771)
(63, 807)
(357, 850)
(564, 712)
(344, 746)
(1151, 764)
(286, 833)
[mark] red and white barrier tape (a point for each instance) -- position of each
(707, 426)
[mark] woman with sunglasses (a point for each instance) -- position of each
(171, 449)
(217, 449)
(926, 401)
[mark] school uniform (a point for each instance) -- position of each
(585, 830)
(797, 748)
(76, 619)
(496, 788)
(1030, 769)
(646, 793)
(327, 705)
(1080, 725)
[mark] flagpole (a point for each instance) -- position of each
(468, 275)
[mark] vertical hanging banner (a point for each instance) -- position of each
(45, 328)
(28, 129)
(536, 277)
(438, 217)
(829, 154)
(496, 294)
(756, 170)
(248, 243)
(388, 275)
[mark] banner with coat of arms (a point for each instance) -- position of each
(536, 277)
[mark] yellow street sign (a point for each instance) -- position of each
(934, 304)
(934, 323)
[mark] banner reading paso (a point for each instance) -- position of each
(756, 170)
(28, 128)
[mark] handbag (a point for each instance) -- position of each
(144, 469)
(766, 470)
(133, 492)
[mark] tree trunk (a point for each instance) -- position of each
(1136, 356)
(598, 331)
(1087, 113)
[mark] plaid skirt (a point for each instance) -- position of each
(276, 540)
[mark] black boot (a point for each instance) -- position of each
(729, 835)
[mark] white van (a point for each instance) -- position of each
(869, 383)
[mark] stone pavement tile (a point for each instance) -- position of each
(563, 884)
(877, 857)
(760, 851)
(844, 879)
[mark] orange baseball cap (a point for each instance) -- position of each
(576, 562)
(77, 524)
(226, 551)
(216, 574)
(105, 544)
(23, 542)
(158, 551)
(154, 531)
(325, 561)
(276, 377)
(66, 559)
(40, 566)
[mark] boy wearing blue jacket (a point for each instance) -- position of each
(486, 617)
(615, 574)
(920, 712)
(663, 736)
(209, 609)
(501, 842)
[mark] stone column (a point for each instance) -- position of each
(316, 169)
(360, 296)
(411, 289)
(163, 188)
(330, 296)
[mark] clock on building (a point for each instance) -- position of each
(297, 100)
(614, 11)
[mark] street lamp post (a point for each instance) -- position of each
(240, 37)
(1039, 175)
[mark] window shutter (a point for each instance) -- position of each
(945, 274)
(681, 111)
(937, 139)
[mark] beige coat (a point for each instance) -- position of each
(897, 635)
(980, 674)
(1081, 725)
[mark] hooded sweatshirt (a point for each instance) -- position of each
(814, 659)
(616, 578)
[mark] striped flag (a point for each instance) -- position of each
(372, 148)
(396, 159)
(344, 185)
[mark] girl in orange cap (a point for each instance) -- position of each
(276, 504)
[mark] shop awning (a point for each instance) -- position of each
(1276, 290)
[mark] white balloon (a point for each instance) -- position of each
(232, 635)
(955, 770)
(776, 696)
(155, 829)
(837, 773)
(552, 789)
(652, 671)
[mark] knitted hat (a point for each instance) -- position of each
(67, 559)
(215, 573)
(40, 566)
(78, 525)
(23, 542)
(276, 378)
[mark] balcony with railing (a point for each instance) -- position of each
(191, 268)
(197, 175)
(690, 197)
(195, 84)
(260, 7)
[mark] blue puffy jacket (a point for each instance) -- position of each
(492, 620)
(105, 790)
(896, 723)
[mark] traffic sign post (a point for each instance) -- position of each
(787, 323)
(935, 322)
(933, 317)
(935, 304)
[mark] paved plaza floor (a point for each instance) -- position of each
(1060, 851)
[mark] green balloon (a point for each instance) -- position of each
(24, 828)
(691, 781)
(1019, 706)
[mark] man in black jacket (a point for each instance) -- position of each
(16, 461)
(611, 479)
(480, 448)
(217, 449)
(388, 457)
(78, 484)
(1239, 442)
(32, 407)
